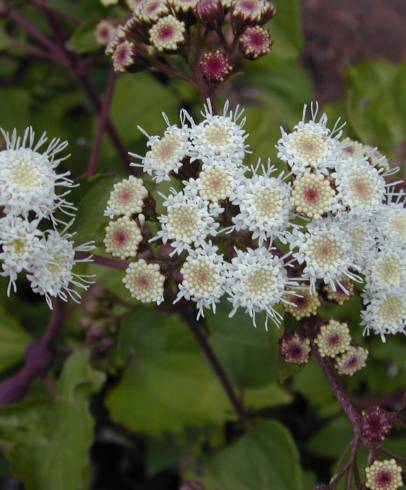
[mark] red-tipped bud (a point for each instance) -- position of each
(375, 424)
(294, 348)
(246, 12)
(125, 56)
(104, 32)
(255, 42)
(210, 12)
(215, 66)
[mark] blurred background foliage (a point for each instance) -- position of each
(138, 407)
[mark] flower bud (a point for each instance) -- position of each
(215, 66)
(375, 424)
(340, 296)
(125, 56)
(210, 12)
(104, 32)
(255, 42)
(247, 12)
(294, 348)
(167, 34)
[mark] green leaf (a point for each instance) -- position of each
(14, 108)
(249, 354)
(14, 341)
(338, 430)
(311, 383)
(90, 219)
(264, 458)
(286, 29)
(84, 39)
(47, 442)
(168, 374)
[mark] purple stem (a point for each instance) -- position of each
(104, 113)
(68, 60)
(105, 261)
(63, 15)
(38, 359)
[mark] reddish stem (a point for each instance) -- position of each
(105, 261)
(38, 359)
(104, 113)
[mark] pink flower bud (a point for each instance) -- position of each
(255, 42)
(210, 12)
(215, 66)
(375, 424)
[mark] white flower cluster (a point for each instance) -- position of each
(333, 214)
(32, 199)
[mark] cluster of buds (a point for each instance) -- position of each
(334, 341)
(33, 207)
(266, 241)
(375, 424)
(210, 36)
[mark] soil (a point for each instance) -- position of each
(339, 33)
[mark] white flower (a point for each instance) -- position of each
(385, 312)
(310, 145)
(360, 186)
(351, 149)
(215, 183)
(257, 281)
(122, 237)
(313, 196)
(28, 180)
(391, 223)
(51, 273)
(386, 269)
(167, 34)
(166, 153)
(265, 207)
(203, 280)
(188, 221)
(126, 198)
(361, 232)
(219, 137)
(326, 252)
(20, 242)
(145, 282)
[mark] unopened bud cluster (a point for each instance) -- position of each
(34, 240)
(158, 29)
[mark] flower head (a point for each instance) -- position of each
(167, 34)
(257, 281)
(375, 423)
(215, 183)
(264, 204)
(20, 242)
(124, 56)
(188, 221)
(313, 196)
(249, 11)
(340, 295)
(302, 303)
(151, 10)
(326, 252)
(203, 275)
(104, 32)
(311, 145)
(255, 42)
(351, 361)
(215, 65)
(294, 348)
(145, 282)
(384, 475)
(166, 153)
(334, 338)
(385, 312)
(28, 180)
(360, 186)
(126, 198)
(386, 269)
(122, 237)
(51, 274)
(219, 137)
